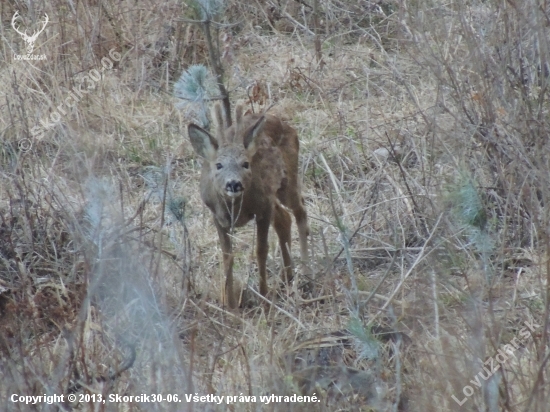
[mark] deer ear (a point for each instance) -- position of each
(251, 135)
(204, 144)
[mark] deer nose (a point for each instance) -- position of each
(234, 186)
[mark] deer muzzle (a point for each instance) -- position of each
(233, 188)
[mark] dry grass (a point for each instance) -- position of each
(424, 156)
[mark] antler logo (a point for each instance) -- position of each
(29, 39)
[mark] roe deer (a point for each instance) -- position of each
(249, 171)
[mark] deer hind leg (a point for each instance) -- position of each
(227, 251)
(293, 199)
(300, 214)
(282, 223)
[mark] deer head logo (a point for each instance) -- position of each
(29, 39)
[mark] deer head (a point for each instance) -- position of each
(228, 157)
(29, 39)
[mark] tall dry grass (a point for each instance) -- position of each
(424, 157)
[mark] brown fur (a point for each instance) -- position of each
(236, 194)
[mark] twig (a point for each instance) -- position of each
(279, 309)
(373, 292)
(419, 258)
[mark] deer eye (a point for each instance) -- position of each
(218, 166)
(246, 165)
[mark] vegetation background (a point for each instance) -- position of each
(425, 161)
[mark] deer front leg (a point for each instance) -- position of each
(261, 251)
(227, 251)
